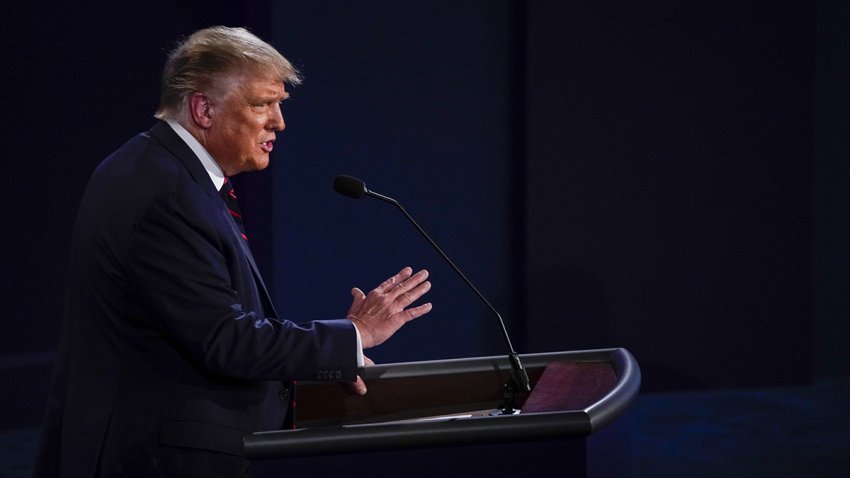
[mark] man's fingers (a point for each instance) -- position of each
(357, 294)
(394, 280)
(358, 387)
(412, 296)
(411, 282)
(406, 285)
(409, 314)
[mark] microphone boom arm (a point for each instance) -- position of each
(520, 381)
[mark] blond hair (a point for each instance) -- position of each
(210, 59)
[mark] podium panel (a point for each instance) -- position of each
(446, 404)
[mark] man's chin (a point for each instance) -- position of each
(261, 165)
(258, 164)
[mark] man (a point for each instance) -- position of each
(171, 347)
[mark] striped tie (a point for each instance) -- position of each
(232, 205)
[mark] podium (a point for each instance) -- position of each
(419, 412)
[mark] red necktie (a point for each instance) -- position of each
(232, 204)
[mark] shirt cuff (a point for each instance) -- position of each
(360, 361)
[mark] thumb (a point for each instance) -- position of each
(359, 298)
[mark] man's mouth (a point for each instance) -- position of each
(268, 146)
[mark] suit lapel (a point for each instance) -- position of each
(166, 136)
(243, 244)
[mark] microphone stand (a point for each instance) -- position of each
(519, 381)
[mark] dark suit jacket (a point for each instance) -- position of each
(171, 349)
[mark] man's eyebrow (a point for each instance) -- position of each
(270, 98)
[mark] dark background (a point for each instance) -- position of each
(670, 178)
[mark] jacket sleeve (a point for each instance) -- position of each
(179, 261)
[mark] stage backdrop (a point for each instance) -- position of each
(414, 99)
(669, 185)
(671, 178)
(637, 176)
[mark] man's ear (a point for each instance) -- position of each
(200, 108)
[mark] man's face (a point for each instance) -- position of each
(244, 124)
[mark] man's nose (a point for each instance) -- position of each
(276, 122)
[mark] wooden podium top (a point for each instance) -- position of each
(446, 402)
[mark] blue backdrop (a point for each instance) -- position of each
(671, 178)
(416, 103)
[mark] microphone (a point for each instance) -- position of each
(354, 188)
(349, 186)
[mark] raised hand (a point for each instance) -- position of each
(384, 310)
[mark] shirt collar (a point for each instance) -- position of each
(209, 163)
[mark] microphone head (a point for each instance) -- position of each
(349, 186)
